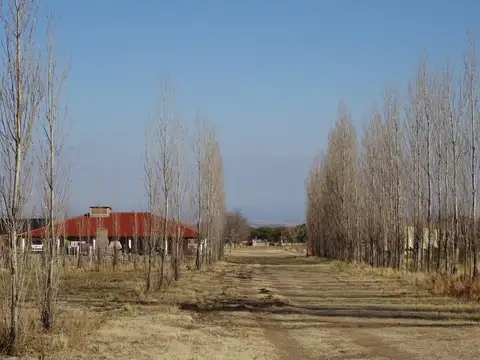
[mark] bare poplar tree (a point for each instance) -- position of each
(471, 111)
(167, 125)
(200, 154)
(82, 228)
(337, 192)
(20, 98)
(395, 165)
(180, 185)
(372, 204)
(115, 240)
(163, 161)
(446, 166)
(428, 114)
(414, 128)
(314, 212)
(152, 188)
(135, 240)
(209, 194)
(100, 246)
(453, 158)
(54, 177)
(421, 113)
(215, 201)
(342, 160)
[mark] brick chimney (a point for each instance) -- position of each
(100, 211)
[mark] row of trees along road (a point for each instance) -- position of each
(183, 183)
(32, 134)
(403, 193)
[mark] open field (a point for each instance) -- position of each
(268, 303)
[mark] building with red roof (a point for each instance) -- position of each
(101, 221)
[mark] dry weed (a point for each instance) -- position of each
(455, 286)
(459, 286)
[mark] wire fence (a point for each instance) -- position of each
(77, 257)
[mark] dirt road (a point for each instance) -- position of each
(273, 304)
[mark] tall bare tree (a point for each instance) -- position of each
(209, 194)
(152, 188)
(200, 160)
(453, 158)
(168, 130)
(54, 175)
(372, 202)
(114, 245)
(337, 192)
(219, 213)
(20, 98)
(135, 226)
(471, 87)
(165, 134)
(180, 185)
(314, 212)
(421, 112)
(215, 201)
(395, 175)
(82, 228)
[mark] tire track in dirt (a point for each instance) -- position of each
(286, 346)
(374, 346)
(250, 280)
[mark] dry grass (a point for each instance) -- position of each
(156, 327)
(299, 249)
(458, 286)
(87, 299)
(71, 326)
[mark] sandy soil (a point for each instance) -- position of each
(274, 304)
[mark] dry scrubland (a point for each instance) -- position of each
(261, 303)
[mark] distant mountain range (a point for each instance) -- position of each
(266, 223)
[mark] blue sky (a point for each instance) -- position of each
(269, 74)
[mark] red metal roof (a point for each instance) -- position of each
(118, 224)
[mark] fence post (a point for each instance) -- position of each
(90, 254)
